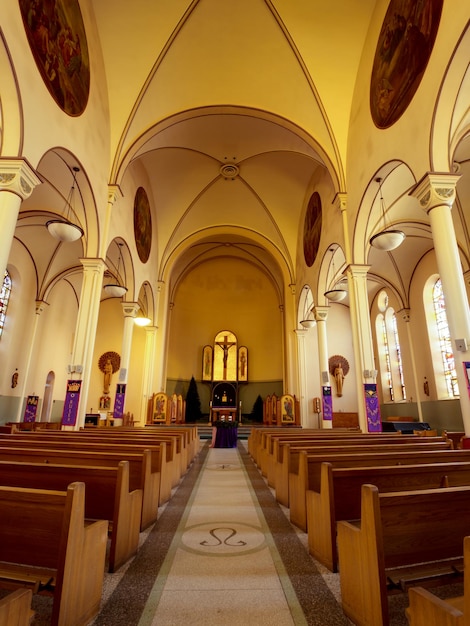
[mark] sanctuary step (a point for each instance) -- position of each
(205, 432)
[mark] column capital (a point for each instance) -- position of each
(93, 264)
(41, 306)
(114, 193)
(321, 313)
(357, 271)
(405, 314)
(130, 309)
(340, 200)
(301, 332)
(18, 177)
(435, 189)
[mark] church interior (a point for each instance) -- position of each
(267, 198)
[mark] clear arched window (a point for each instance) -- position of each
(445, 344)
(4, 299)
(390, 360)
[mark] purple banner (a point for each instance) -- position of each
(119, 400)
(374, 423)
(31, 409)
(327, 403)
(72, 398)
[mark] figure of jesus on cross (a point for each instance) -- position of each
(225, 345)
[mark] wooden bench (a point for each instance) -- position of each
(306, 475)
(143, 473)
(170, 464)
(402, 539)
(426, 609)
(339, 497)
(46, 545)
(280, 464)
(15, 608)
(107, 496)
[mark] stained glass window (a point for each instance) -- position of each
(4, 299)
(386, 351)
(445, 343)
(398, 353)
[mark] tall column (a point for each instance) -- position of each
(405, 313)
(130, 310)
(291, 358)
(301, 349)
(321, 315)
(436, 195)
(147, 377)
(340, 202)
(40, 307)
(361, 332)
(17, 181)
(85, 332)
(114, 194)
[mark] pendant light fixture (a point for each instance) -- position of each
(63, 229)
(308, 320)
(388, 239)
(116, 290)
(337, 294)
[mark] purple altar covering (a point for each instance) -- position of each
(224, 437)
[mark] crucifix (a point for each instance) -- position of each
(225, 345)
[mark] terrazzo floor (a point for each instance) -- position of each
(223, 553)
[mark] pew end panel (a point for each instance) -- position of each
(64, 556)
(15, 608)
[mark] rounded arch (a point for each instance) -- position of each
(300, 139)
(11, 110)
(451, 120)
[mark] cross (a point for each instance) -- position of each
(225, 345)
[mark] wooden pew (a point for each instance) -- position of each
(339, 497)
(47, 546)
(279, 464)
(426, 609)
(107, 496)
(306, 474)
(402, 539)
(170, 464)
(15, 608)
(143, 472)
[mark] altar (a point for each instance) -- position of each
(224, 434)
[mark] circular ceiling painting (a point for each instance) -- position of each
(312, 229)
(403, 50)
(142, 224)
(57, 39)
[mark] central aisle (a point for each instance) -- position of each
(222, 558)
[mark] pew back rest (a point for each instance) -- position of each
(346, 482)
(33, 526)
(311, 463)
(422, 526)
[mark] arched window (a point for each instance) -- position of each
(4, 299)
(445, 344)
(390, 361)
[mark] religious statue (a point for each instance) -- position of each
(339, 378)
(339, 367)
(109, 363)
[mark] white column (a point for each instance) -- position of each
(85, 332)
(302, 356)
(436, 195)
(40, 307)
(130, 310)
(321, 315)
(362, 333)
(17, 181)
(147, 377)
(405, 313)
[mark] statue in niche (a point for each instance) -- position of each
(339, 367)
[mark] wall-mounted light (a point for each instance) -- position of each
(63, 229)
(389, 238)
(116, 290)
